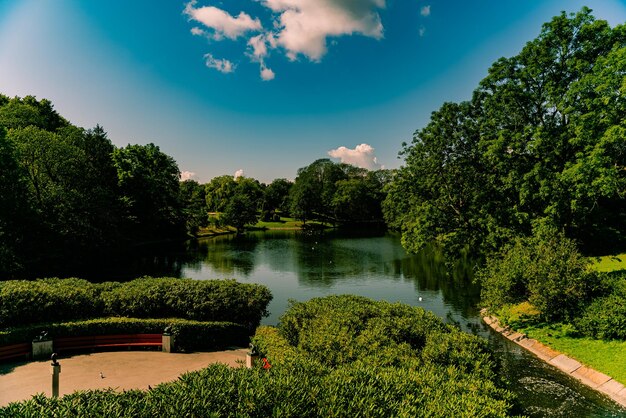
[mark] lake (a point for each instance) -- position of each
(300, 266)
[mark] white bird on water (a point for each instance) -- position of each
(420, 298)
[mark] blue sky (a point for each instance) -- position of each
(336, 73)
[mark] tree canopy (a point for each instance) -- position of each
(69, 195)
(539, 145)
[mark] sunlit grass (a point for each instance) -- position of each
(608, 357)
(288, 223)
(609, 262)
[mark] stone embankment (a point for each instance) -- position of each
(588, 376)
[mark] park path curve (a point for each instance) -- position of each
(121, 370)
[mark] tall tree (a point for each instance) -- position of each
(539, 147)
(194, 205)
(14, 208)
(150, 192)
(219, 192)
(242, 207)
(276, 196)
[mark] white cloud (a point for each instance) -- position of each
(239, 173)
(361, 156)
(304, 25)
(222, 23)
(221, 65)
(425, 11)
(299, 27)
(197, 31)
(267, 74)
(188, 175)
(258, 47)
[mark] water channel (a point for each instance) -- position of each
(301, 266)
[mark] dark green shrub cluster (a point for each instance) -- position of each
(202, 300)
(547, 270)
(28, 302)
(189, 335)
(435, 371)
(605, 317)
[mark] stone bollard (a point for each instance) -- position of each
(251, 356)
(167, 343)
(55, 371)
(42, 346)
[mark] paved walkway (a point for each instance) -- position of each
(122, 370)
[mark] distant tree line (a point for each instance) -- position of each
(323, 191)
(68, 196)
(540, 146)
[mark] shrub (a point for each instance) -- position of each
(29, 302)
(547, 270)
(605, 317)
(201, 300)
(25, 302)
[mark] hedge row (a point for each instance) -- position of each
(189, 335)
(387, 370)
(49, 300)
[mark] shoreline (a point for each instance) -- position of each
(589, 377)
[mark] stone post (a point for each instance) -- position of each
(167, 344)
(251, 356)
(55, 371)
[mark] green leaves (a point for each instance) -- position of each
(541, 141)
(27, 302)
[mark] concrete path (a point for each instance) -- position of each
(586, 375)
(122, 370)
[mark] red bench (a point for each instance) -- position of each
(13, 351)
(106, 341)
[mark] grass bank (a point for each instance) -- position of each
(609, 263)
(606, 356)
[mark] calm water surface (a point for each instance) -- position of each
(299, 266)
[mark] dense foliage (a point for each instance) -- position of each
(29, 302)
(68, 195)
(605, 317)
(188, 335)
(540, 144)
(386, 360)
(338, 193)
(546, 270)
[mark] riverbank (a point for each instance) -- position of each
(586, 375)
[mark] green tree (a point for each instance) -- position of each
(313, 191)
(14, 208)
(541, 143)
(150, 192)
(440, 196)
(194, 205)
(241, 209)
(276, 196)
(219, 192)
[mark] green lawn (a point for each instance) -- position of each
(608, 357)
(288, 223)
(609, 262)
